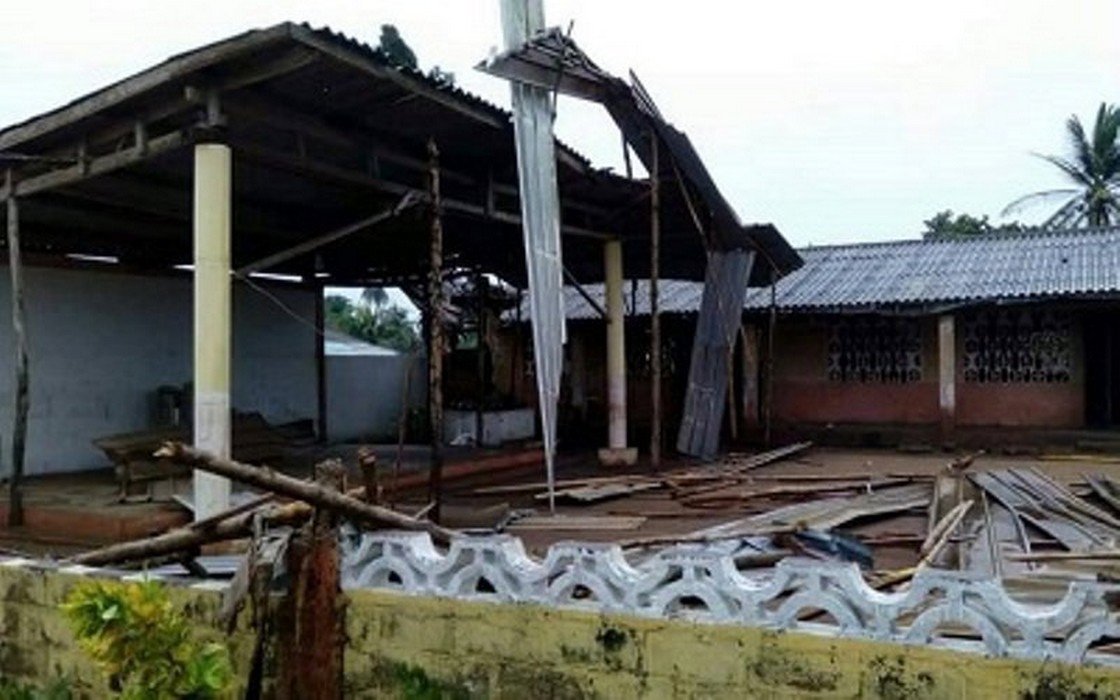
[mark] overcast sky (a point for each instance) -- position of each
(838, 122)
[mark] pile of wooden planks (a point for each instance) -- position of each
(681, 482)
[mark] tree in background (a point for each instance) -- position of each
(393, 45)
(397, 50)
(382, 324)
(1093, 171)
(946, 225)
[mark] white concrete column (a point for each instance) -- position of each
(212, 215)
(947, 373)
(616, 453)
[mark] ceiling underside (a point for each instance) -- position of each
(324, 133)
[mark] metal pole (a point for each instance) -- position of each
(212, 306)
(22, 393)
(654, 307)
(435, 335)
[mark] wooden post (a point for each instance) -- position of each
(435, 334)
(732, 408)
(480, 368)
(371, 477)
(320, 365)
(748, 336)
(767, 407)
(654, 306)
(311, 630)
(22, 392)
(947, 374)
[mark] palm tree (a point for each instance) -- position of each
(1094, 170)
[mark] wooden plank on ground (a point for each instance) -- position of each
(579, 522)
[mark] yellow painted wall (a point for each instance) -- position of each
(424, 648)
(404, 646)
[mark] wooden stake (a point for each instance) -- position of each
(768, 407)
(311, 630)
(480, 356)
(654, 303)
(22, 394)
(371, 480)
(402, 424)
(732, 408)
(435, 334)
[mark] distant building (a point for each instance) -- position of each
(337, 343)
(950, 338)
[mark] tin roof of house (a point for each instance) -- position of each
(336, 343)
(1032, 265)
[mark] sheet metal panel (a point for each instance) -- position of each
(540, 214)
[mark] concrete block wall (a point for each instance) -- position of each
(405, 646)
(101, 342)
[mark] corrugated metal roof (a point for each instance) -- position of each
(1080, 262)
(336, 343)
(871, 276)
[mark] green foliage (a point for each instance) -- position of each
(143, 643)
(58, 689)
(397, 50)
(1093, 171)
(393, 45)
(946, 224)
(382, 324)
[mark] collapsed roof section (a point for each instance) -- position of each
(552, 60)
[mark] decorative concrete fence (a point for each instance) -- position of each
(701, 583)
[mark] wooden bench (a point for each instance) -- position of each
(137, 471)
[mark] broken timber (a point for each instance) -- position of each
(311, 633)
(265, 478)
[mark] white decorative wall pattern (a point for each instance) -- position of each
(702, 583)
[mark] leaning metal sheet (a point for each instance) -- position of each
(540, 214)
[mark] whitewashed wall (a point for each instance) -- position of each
(364, 395)
(101, 342)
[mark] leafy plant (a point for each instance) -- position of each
(143, 643)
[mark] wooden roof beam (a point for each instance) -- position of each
(101, 165)
(309, 166)
(286, 118)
